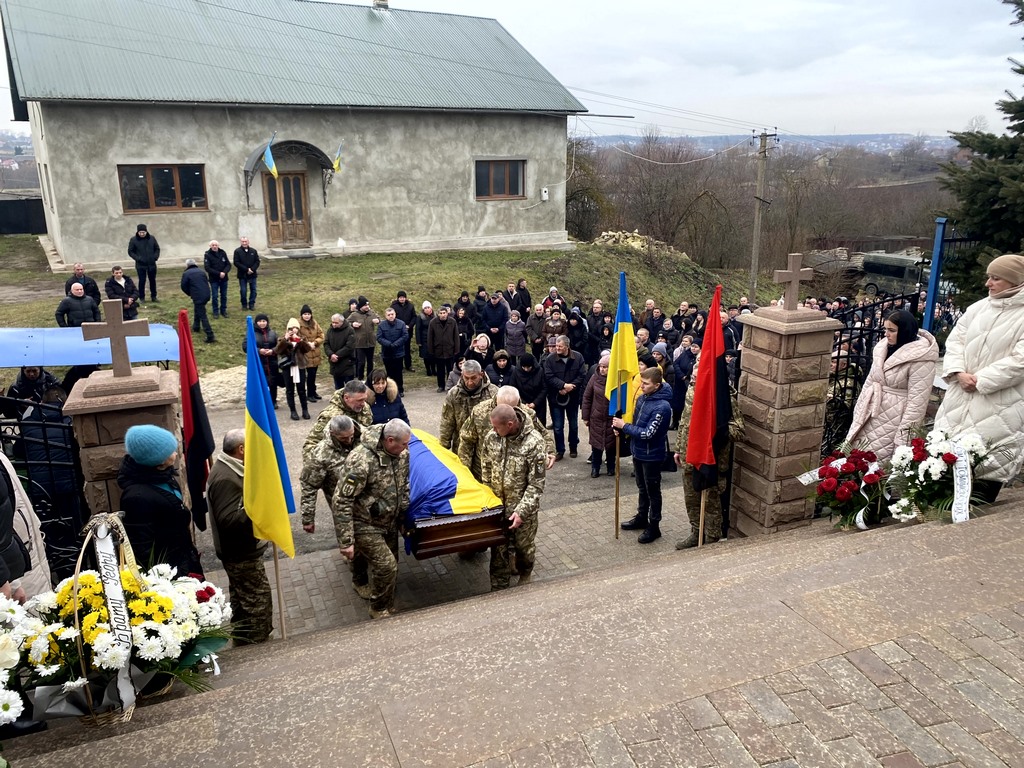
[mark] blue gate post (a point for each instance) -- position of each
(934, 274)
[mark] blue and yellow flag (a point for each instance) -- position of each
(337, 158)
(266, 486)
(268, 157)
(440, 484)
(623, 366)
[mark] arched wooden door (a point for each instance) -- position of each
(286, 202)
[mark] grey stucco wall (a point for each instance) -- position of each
(406, 181)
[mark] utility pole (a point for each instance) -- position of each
(755, 250)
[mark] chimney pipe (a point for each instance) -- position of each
(380, 4)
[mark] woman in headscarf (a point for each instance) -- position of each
(984, 367)
(895, 394)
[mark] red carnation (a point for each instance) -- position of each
(949, 458)
(920, 455)
(848, 467)
(202, 596)
(871, 478)
(844, 494)
(871, 456)
(917, 443)
(829, 484)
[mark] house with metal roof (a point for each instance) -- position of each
(388, 129)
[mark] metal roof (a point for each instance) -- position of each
(287, 52)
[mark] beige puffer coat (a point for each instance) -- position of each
(988, 341)
(895, 395)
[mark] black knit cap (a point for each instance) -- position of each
(305, 309)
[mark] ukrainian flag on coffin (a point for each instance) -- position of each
(440, 484)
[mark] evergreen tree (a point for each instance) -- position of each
(990, 189)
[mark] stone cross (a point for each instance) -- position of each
(117, 329)
(793, 277)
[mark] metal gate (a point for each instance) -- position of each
(851, 360)
(40, 442)
(942, 308)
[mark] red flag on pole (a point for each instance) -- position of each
(198, 441)
(712, 404)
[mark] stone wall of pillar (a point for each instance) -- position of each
(783, 387)
(100, 423)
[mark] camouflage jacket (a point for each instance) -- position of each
(476, 428)
(514, 468)
(321, 468)
(736, 424)
(373, 488)
(337, 407)
(458, 404)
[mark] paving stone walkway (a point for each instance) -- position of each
(950, 696)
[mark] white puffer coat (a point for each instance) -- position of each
(988, 341)
(895, 395)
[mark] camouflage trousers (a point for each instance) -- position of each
(376, 563)
(523, 540)
(713, 504)
(252, 607)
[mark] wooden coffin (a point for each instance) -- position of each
(458, 533)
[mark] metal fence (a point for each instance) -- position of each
(40, 442)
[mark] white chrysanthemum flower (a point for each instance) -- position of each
(161, 571)
(185, 631)
(45, 670)
(936, 435)
(112, 657)
(39, 648)
(902, 457)
(11, 706)
(43, 603)
(972, 443)
(150, 649)
(67, 633)
(940, 447)
(936, 467)
(70, 685)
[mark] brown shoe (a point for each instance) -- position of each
(363, 590)
(381, 614)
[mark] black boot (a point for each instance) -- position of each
(305, 413)
(635, 523)
(651, 533)
(290, 397)
(595, 470)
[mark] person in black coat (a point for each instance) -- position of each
(218, 267)
(500, 371)
(384, 399)
(120, 286)
(339, 349)
(155, 516)
(247, 265)
(422, 327)
(76, 309)
(564, 375)
(144, 250)
(406, 312)
(493, 316)
(13, 555)
(31, 384)
(196, 285)
(528, 378)
(90, 286)
(266, 348)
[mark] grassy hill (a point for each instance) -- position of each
(31, 293)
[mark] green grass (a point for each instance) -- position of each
(589, 272)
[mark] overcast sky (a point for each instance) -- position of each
(803, 66)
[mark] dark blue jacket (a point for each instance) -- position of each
(493, 316)
(388, 405)
(195, 284)
(391, 337)
(215, 262)
(649, 430)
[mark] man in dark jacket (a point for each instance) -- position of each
(406, 312)
(340, 351)
(196, 285)
(564, 376)
(252, 609)
(144, 250)
(443, 344)
(392, 335)
(247, 264)
(90, 286)
(217, 266)
(649, 446)
(493, 317)
(76, 309)
(121, 286)
(423, 320)
(528, 378)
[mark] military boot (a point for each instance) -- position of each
(636, 523)
(651, 533)
(688, 543)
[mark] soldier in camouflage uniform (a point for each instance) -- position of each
(320, 467)
(473, 388)
(476, 427)
(350, 401)
(691, 496)
(514, 466)
(239, 550)
(368, 507)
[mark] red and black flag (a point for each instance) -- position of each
(712, 404)
(198, 440)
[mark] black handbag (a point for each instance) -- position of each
(668, 464)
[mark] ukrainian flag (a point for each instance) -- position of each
(268, 157)
(621, 388)
(337, 158)
(440, 484)
(266, 487)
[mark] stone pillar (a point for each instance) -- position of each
(783, 387)
(100, 421)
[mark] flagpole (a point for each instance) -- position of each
(618, 438)
(700, 527)
(280, 596)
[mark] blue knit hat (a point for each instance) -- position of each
(149, 445)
